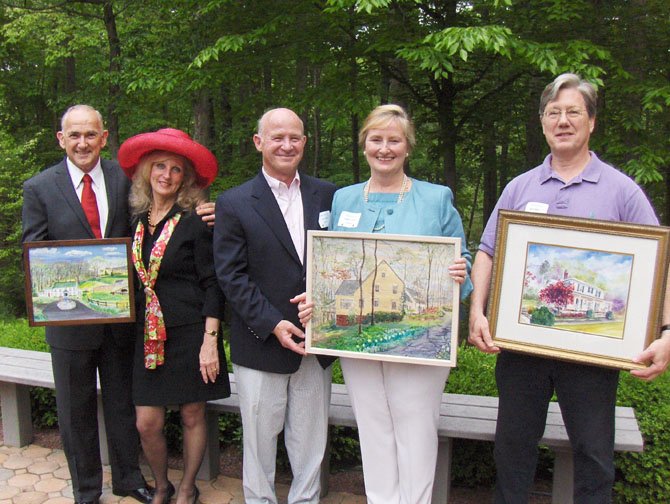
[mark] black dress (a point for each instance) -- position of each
(188, 292)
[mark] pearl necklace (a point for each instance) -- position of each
(401, 195)
(149, 219)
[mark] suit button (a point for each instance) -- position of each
(389, 211)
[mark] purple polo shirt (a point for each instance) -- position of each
(599, 192)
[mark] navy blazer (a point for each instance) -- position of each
(259, 270)
(52, 211)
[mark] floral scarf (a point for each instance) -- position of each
(154, 325)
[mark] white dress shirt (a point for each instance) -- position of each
(98, 186)
(289, 200)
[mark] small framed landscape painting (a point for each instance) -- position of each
(577, 289)
(383, 297)
(74, 282)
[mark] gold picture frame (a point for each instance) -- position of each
(582, 290)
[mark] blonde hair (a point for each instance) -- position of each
(189, 194)
(384, 115)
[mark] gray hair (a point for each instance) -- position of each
(87, 108)
(570, 81)
(261, 121)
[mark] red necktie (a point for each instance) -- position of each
(90, 206)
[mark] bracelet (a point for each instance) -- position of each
(665, 327)
(212, 333)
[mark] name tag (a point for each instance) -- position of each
(324, 219)
(349, 220)
(536, 207)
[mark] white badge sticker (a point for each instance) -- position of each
(536, 207)
(349, 220)
(324, 219)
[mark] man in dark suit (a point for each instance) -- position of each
(52, 210)
(259, 252)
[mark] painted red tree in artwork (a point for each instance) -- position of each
(559, 294)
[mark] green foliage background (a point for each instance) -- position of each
(469, 72)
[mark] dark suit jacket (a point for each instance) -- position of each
(186, 285)
(52, 211)
(259, 270)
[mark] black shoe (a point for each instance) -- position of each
(96, 501)
(170, 493)
(196, 494)
(142, 494)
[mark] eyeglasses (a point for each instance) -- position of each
(555, 114)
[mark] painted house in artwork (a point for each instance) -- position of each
(389, 291)
(61, 289)
(414, 302)
(586, 297)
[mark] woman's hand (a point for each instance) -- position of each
(305, 308)
(209, 358)
(459, 270)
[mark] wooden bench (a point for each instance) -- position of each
(20, 370)
(462, 416)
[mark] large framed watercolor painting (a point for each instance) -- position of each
(384, 297)
(577, 289)
(75, 282)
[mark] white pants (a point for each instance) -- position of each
(297, 403)
(397, 408)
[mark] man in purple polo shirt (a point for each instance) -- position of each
(571, 181)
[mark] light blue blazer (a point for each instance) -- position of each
(427, 209)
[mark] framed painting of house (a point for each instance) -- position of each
(577, 289)
(383, 297)
(74, 282)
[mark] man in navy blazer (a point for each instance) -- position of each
(259, 253)
(52, 210)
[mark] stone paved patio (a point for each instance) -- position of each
(38, 475)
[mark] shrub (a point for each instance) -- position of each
(542, 316)
(644, 478)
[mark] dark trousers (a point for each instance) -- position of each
(76, 401)
(587, 396)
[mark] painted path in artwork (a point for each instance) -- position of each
(81, 311)
(426, 346)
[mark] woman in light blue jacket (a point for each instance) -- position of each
(397, 405)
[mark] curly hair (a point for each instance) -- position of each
(189, 194)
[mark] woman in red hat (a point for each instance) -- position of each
(179, 356)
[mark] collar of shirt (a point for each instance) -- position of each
(77, 175)
(280, 189)
(591, 172)
(99, 188)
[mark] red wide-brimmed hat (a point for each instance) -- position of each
(169, 140)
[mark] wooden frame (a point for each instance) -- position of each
(383, 297)
(75, 282)
(577, 289)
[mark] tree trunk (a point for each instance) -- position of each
(202, 119)
(490, 168)
(114, 72)
(445, 104)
